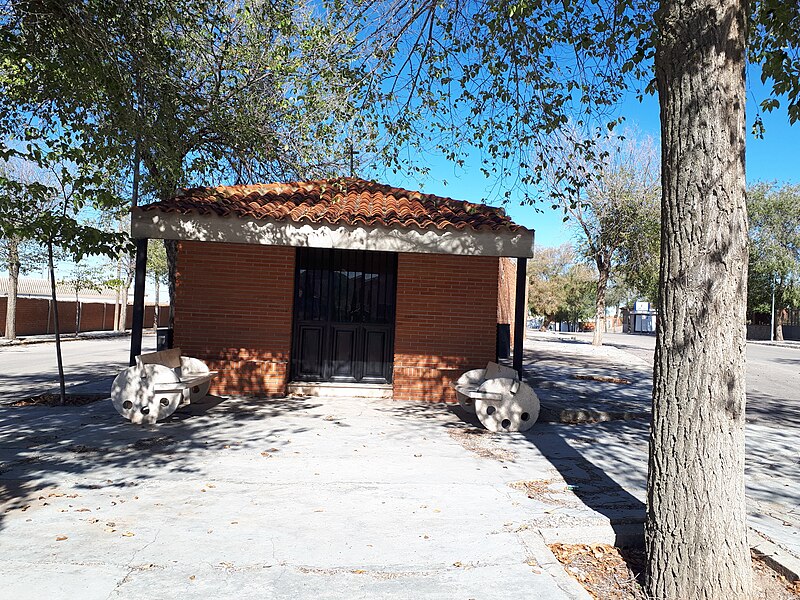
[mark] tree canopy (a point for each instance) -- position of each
(774, 212)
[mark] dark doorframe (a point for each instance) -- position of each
(344, 316)
(137, 323)
(520, 314)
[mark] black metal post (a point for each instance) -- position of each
(520, 314)
(137, 322)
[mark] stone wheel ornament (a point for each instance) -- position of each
(469, 379)
(147, 393)
(515, 408)
(195, 365)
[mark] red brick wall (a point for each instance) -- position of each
(32, 316)
(446, 322)
(233, 309)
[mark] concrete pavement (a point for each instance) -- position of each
(617, 451)
(313, 498)
(343, 498)
(27, 370)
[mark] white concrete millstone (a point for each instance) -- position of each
(135, 396)
(474, 379)
(517, 408)
(194, 366)
(471, 378)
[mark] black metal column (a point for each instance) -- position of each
(520, 314)
(137, 323)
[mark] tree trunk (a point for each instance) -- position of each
(171, 247)
(123, 310)
(77, 315)
(156, 308)
(600, 305)
(13, 287)
(696, 534)
(779, 318)
(51, 268)
(118, 294)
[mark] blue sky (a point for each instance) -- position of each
(776, 157)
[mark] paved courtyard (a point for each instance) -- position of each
(347, 498)
(269, 499)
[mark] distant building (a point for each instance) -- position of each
(642, 319)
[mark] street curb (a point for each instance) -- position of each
(536, 548)
(67, 338)
(553, 413)
(785, 344)
(632, 535)
(773, 556)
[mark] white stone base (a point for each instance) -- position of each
(340, 390)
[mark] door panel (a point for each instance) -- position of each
(309, 347)
(343, 354)
(375, 348)
(347, 297)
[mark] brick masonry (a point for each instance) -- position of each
(34, 316)
(446, 322)
(233, 309)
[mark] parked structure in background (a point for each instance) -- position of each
(93, 311)
(642, 319)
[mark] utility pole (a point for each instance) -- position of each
(772, 313)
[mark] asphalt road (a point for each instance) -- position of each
(30, 369)
(773, 376)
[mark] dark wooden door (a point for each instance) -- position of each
(344, 315)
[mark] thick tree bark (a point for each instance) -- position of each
(13, 287)
(600, 305)
(696, 533)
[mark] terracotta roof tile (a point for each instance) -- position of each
(346, 200)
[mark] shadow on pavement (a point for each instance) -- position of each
(41, 446)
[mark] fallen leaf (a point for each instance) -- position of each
(128, 534)
(191, 577)
(60, 538)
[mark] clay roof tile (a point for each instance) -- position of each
(348, 201)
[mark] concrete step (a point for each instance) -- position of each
(340, 390)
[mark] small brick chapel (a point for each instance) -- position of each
(340, 284)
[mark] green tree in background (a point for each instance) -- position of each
(83, 278)
(158, 268)
(615, 216)
(774, 213)
(167, 94)
(560, 286)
